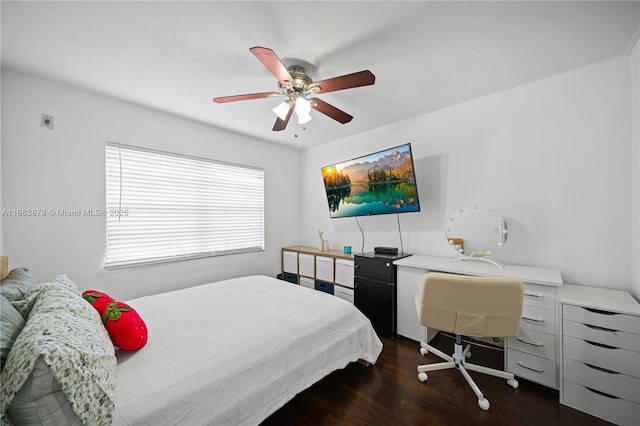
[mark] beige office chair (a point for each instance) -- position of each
(469, 306)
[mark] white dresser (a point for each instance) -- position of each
(600, 353)
(534, 353)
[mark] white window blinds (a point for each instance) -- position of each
(163, 207)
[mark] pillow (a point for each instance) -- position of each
(41, 400)
(11, 323)
(17, 284)
(68, 336)
(98, 299)
(126, 328)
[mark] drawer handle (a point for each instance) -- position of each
(537, 370)
(595, 327)
(599, 311)
(533, 319)
(601, 393)
(538, 295)
(539, 345)
(601, 345)
(604, 370)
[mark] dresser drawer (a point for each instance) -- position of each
(292, 278)
(605, 336)
(306, 265)
(609, 382)
(344, 272)
(535, 368)
(607, 357)
(290, 262)
(324, 286)
(538, 319)
(542, 296)
(343, 293)
(616, 410)
(307, 282)
(535, 343)
(613, 321)
(324, 268)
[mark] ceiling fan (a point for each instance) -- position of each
(297, 88)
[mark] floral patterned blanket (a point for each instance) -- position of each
(68, 334)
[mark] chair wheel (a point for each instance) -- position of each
(423, 351)
(468, 355)
(484, 403)
(513, 383)
(422, 377)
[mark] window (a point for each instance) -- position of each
(163, 207)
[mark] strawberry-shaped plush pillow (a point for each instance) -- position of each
(98, 299)
(126, 329)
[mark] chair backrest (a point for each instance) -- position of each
(471, 306)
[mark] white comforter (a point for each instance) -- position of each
(233, 352)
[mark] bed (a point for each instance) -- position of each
(226, 353)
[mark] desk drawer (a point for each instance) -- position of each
(609, 382)
(607, 357)
(538, 319)
(613, 321)
(542, 296)
(616, 410)
(535, 368)
(605, 336)
(535, 343)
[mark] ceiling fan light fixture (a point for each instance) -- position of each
(303, 108)
(282, 110)
(304, 118)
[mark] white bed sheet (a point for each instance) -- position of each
(235, 351)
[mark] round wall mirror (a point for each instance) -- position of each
(476, 231)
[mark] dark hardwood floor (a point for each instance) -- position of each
(389, 393)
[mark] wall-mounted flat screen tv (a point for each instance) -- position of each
(380, 183)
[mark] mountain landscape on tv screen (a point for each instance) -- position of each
(377, 184)
(398, 162)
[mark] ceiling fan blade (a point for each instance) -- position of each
(282, 124)
(349, 81)
(235, 98)
(271, 61)
(330, 111)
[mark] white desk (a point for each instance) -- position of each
(533, 275)
(533, 354)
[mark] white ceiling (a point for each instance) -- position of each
(426, 55)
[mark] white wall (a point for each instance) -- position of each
(1, 216)
(63, 168)
(634, 66)
(1, 236)
(553, 156)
